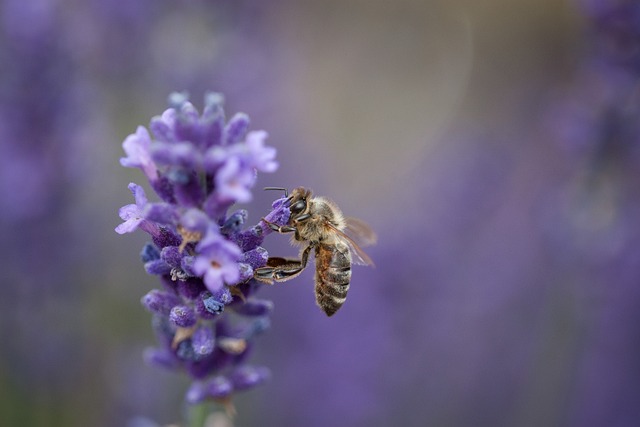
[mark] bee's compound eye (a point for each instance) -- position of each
(298, 207)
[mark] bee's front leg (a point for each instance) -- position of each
(282, 269)
(280, 229)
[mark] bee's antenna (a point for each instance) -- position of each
(286, 193)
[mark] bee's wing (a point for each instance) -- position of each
(360, 231)
(358, 256)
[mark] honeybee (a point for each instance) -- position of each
(320, 224)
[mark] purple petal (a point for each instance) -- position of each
(136, 146)
(233, 182)
(195, 220)
(131, 211)
(138, 194)
(215, 157)
(218, 265)
(263, 157)
(216, 274)
(128, 226)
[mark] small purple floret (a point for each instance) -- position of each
(132, 214)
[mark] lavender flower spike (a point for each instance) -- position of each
(205, 316)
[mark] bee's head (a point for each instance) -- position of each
(298, 201)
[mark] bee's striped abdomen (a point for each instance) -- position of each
(333, 274)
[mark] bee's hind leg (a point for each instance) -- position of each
(282, 269)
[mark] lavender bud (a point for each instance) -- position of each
(161, 129)
(236, 129)
(212, 125)
(190, 288)
(172, 256)
(246, 272)
(157, 267)
(149, 253)
(202, 310)
(189, 193)
(160, 302)
(183, 316)
(181, 154)
(177, 99)
(163, 328)
(203, 341)
(259, 325)
(249, 376)
(186, 125)
(161, 213)
(256, 258)
(215, 388)
(164, 189)
(213, 100)
(161, 357)
(185, 351)
(219, 387)
(197, 393)
(187, 265)
(249, 239)
(234, 222)
(212, 305)
(195, 220)
(279, 215)
(166, 237)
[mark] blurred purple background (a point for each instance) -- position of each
(494, 147)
